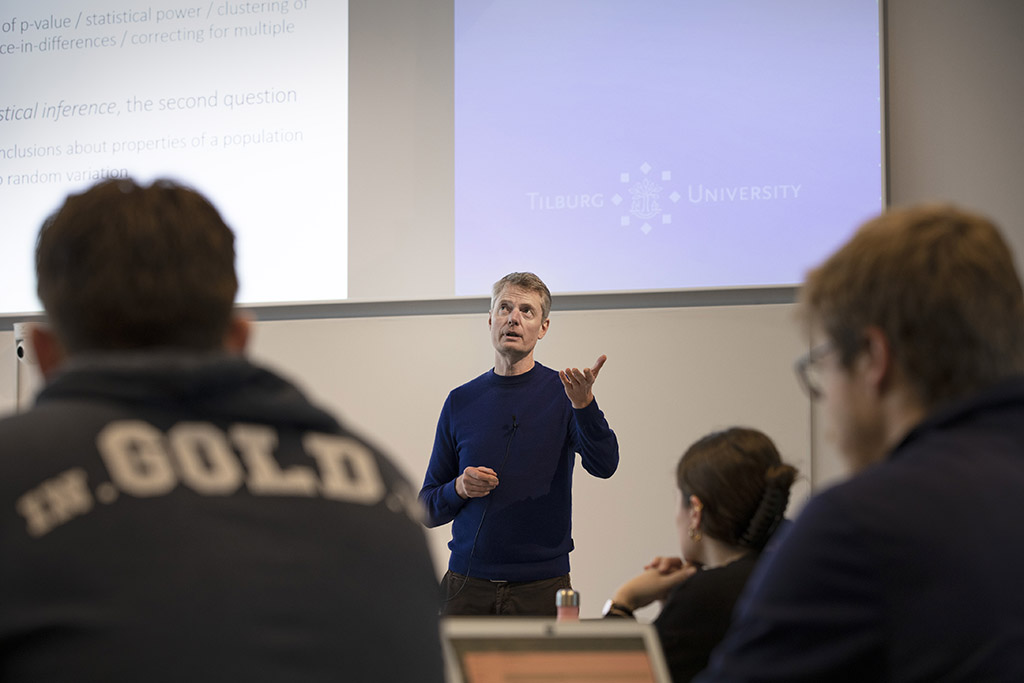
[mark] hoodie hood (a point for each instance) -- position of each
(216, 385)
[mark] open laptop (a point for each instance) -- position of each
(521, 649)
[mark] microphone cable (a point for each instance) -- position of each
(483, 515)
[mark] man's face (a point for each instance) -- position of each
(853, 411)
(516, 322)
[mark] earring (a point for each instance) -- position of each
(695, 533)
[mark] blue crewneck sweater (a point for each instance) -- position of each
(525, 429)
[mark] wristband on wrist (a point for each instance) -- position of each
(615, 609)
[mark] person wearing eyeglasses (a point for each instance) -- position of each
(911, 569)
(734, 489)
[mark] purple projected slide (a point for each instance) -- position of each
(662, 144)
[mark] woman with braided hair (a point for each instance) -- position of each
(734, 490)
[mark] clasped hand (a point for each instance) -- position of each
(660, 576)
(476, 482)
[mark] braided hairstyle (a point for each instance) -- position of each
(740, 479)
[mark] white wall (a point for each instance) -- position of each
(672, 375)
(955, 104)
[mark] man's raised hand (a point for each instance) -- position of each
(579, 384)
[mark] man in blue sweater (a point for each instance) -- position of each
(501, 467)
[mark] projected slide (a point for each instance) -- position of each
(659, 144)
(247, 100)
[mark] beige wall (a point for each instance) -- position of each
(672, 375)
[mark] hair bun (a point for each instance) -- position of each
(772, 508)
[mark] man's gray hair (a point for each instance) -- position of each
(527, 281)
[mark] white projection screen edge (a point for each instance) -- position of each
(610, 147)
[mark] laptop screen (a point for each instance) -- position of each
(519, 649)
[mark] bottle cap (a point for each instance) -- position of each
(567, 597)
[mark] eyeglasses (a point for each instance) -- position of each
(808, 368)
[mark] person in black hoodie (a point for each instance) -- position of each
(171, 511)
